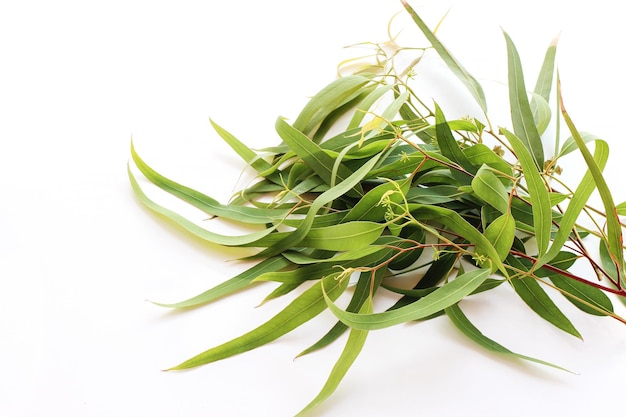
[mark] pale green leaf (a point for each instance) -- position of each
(521, 114)
(328, 100)
(570, 144)
(432, 303)
(251, 215)
(353, 347)
(308, 305)
(470, 82)
(543, 87)
(232, 285)
(191, 227)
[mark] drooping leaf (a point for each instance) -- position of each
(462, 323)
(192, 227)
(251, 215)
(232, 285)
(587, 298)
(308, 305)
(434, 302)
(353, 347)
(535, 297)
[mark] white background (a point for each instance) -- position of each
(79, 255)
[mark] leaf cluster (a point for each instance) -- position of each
(404, 200)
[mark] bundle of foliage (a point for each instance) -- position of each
(407, 194)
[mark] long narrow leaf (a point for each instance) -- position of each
(539, 198)
(576, 205)
(328, 100)
(295, 237)
(251, 215)
(308, 305)
(462, 323)
(536, 298)
(434, 302)
(470, 82)
(353, 347)
(194, 228)
(614, 229)
(521, 114)
(313, 155)
(232, 285)
(541, 94)
(449, 146)
(242, 150)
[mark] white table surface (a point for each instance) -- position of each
(79, 255)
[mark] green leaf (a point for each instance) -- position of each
(193, 228)
(480, 154)
(470, 82)
(293, 238)
(576, 205)
(242, 150)
(434, 302)
(543, 87)
(353, 347)
(621, 209)
(344, 236)
(308, 305)
(536, 298)
(328, 100)
(541, 113)
(613, 226)
(367, 285)
(587, 298)
(539, 198)
(570, 144)
(489, 188)
(501, 233)
(232, 285)
(300, 258)
(313, 155)
(521, 114)
(366, 104)
(459, 225)
(251, 215)
(450, 148)
(460, 320)
(368, 207)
